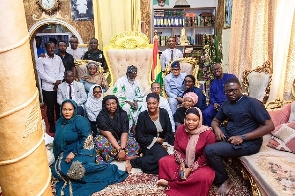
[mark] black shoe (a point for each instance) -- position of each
(52, 129)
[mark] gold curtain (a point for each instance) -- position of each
(264, 30)
(283, 58)
(114, 16)
(250, 44)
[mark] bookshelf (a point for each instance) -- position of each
(196, 22)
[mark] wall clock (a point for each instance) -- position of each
(48, 6)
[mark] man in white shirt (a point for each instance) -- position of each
(170, 54)
(163, 103)
(50, 70)
(76, 52)
(70, 89)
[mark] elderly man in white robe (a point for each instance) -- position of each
(130, 95)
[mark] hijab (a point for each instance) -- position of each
(94, 104)
(59, 138)
(191, 145)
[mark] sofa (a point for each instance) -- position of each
(272, 170)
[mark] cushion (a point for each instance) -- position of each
(280, 116)
(292, 113)
(283, 138)
(186, 68)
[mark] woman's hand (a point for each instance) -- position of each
(121, 155)
(160, 140)
(181, 167)
(187, 172)
(70, 157)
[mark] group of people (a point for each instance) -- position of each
(129, 126)
(57, 71)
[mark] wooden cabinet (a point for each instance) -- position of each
(196, 22)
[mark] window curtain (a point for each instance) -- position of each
(114, 16)
(262, 30)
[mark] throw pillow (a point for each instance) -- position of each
(292, 113)
(284, 138)
(280, 116)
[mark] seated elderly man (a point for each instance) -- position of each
(130, 95)
(70, 89)
(163, 103)
(174, 85)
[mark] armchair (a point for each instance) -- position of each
(129, 48)
(257, 82)
(188, 65)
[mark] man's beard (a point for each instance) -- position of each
(131, 81)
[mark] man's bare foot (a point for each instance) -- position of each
(128, 166)
(225, 187)
(162, 182)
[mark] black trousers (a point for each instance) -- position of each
(50, 99)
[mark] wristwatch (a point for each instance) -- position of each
(243, 137)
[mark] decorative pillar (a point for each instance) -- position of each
(23, 163)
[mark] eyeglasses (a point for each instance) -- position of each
(188, 81)
(96, 92)
(234, 91)
(175, 69)
(156, 87)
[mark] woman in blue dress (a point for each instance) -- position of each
(73, 148)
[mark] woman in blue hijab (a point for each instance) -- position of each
(74, 153)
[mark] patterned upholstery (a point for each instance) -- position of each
(257, 82)
(129, 48)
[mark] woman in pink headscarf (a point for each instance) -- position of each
(187, 172)
(189, 100)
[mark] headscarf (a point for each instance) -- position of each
(193, 96)
(114, 125)
(59, 138)
(191, 145)
(92, 103)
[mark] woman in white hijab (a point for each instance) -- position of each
(93, 105)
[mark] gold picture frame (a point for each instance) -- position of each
(228, 4)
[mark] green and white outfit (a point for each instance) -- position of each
(127, 91)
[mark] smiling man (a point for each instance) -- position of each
(248, 121)
(170, 53)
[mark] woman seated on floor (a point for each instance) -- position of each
(113, 141)
(189, 100)
(189, 159)
(152, 129)
(73, 149)
(93, 77)
(93, 105)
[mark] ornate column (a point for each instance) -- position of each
(23, 164)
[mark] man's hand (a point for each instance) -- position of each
(216, 106)
(219, 134)
(70, 157)
(235, 140)
(57, 82)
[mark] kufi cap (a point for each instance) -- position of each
(131, 69)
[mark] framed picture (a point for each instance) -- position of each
(82, 9)
(228, 4)
(160, 3)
